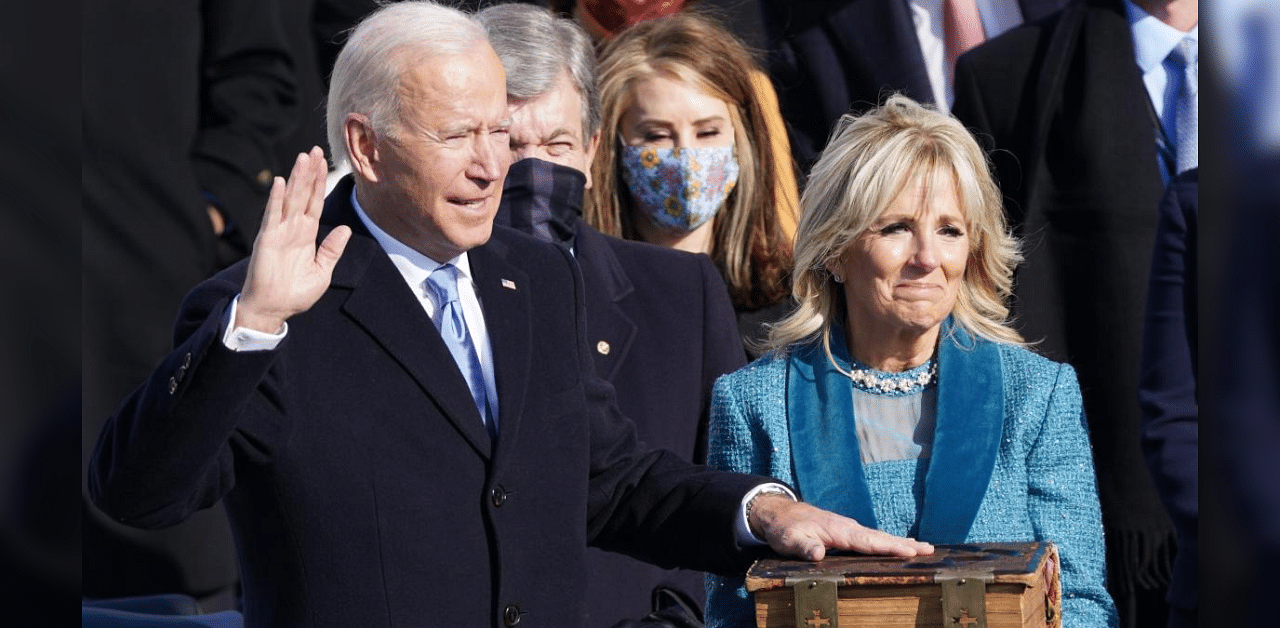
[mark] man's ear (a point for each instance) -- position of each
(362, 145)
(592, 145)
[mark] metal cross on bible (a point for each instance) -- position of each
(818, 621)
(964, 620)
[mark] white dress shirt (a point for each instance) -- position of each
(998, 16)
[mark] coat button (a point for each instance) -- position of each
(173, 385)
(186, 360)
(498, 497)
(511, 615)
(264, 177)
(602, 347)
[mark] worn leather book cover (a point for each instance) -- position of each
(993, 585)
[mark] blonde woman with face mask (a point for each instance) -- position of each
(685, 159)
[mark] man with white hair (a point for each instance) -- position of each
(402, 419)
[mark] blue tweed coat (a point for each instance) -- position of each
(1011, 461)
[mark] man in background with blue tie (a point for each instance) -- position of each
(395, 400)
(1081, 115)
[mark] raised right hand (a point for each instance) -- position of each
(287, 271)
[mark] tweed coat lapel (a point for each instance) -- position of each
(606, 285)
(381, 304)
(504, 291)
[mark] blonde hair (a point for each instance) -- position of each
(868, 162)
(748, 244)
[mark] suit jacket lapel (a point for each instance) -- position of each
(970, 420)
(606, 284)
(1048, 95)
(504, 295)
(1124, 107)
(387, 309)
(1089, 74)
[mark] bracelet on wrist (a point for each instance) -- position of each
(768, 490)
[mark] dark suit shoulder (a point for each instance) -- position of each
(996, 82)
(1022, 45)
(642, 262)
(630, 251)
(518, 244)
(630, 248)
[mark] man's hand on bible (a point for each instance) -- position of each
(803, 531)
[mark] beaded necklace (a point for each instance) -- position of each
(908, 382)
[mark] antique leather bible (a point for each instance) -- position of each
(993, 585)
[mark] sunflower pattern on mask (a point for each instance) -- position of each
(679, 188)
(649, 158)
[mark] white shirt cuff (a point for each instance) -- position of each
(245, 339)
(741, 528)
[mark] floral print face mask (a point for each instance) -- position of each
(679, 188)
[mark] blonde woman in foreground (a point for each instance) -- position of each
(896, 393)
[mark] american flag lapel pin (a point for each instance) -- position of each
(508, 284)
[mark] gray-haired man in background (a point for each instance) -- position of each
(659, 321)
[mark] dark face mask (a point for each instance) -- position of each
(542, 199)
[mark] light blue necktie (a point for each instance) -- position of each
(1185, 57)
(443, 283)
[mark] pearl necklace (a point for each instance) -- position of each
(869, 381)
